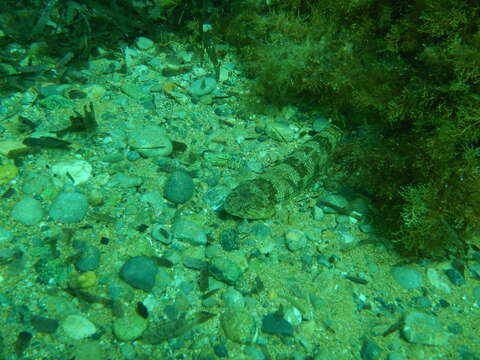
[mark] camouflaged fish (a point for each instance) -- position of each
(257, 198)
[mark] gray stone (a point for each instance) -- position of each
(188, 231)
(126, 181)
(88, 258)
(5, 235)
(160, 233)
(139, 272)
(144, 43)
(28, 211)
(150, 141)
(78, 327)
(215, 197)
(225, 270)
(295, 240)
(370, 350)
(425, 329)
(69, 207)
(238, 326)
(129, 327)
(275, 325)
(407, 277)
(179, 187)
(334, 199)
(203, 86)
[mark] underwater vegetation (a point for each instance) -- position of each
(402, 78)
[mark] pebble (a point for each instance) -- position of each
(8, 172)
(35, 183)
(126, 181)
(88, 258)
(188, 231)
(135, 91)
(78, 327)
(129, 327)
(143, 43)
(320, 124)
(275, 325)
(139, 272)
(295, 240)
(425, 329)
(69, 207)
(44, 325)
(83, 280)
(28, 211)
(220, 350)
(179, 187)
(5, 235)
(280, 131)
(437, 280)
(370, 350)
(333, 199)
(215, 197)
(234, 299)
(203, 86)
(77, 170)
(407, 278)
(90, 350)
(225, 270)
(238, 326)
(150, 141)
(455, 277)
(160, 233)
(229, 240)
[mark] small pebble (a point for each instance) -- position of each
(188, 231)
(407, 277)
(274, 325)
(78, 327)
(238, 326)
(69, 207)
(229, 240)
(44, 325)
(129, 327)
(139, 272)
(295, 240)
(88, 258)
(225, 270)
(455, 277)
(203, 86)
(179, 187)
(5, 235)
(28, 211)
(425, 329)
(160, 233)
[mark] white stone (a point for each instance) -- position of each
(77, 170)
(78, 327)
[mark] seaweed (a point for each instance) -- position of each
(403, 80)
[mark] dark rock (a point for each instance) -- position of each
(272, 324)
(370, 350)
(44, 325)
(229, 240)
(179, 187)
(88, 258)
(139, 272)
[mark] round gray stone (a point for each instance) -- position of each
(28, 211)
(238, 326)
(179, 187)
(69, 207)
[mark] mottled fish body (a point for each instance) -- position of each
(257, 198)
